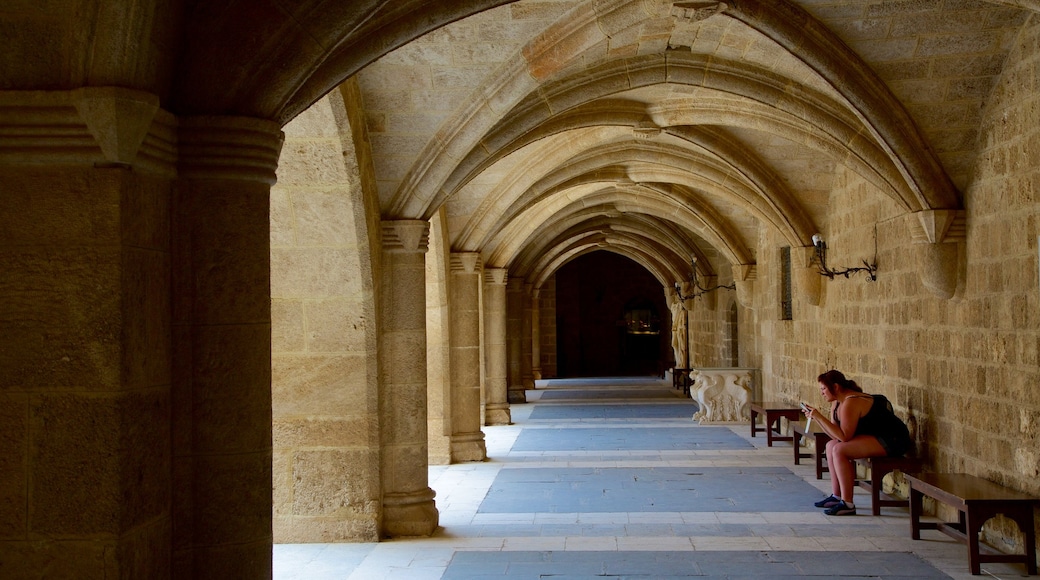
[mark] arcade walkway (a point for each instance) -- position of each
(612, 479)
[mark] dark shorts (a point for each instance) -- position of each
(895, 446)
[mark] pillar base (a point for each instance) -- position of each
(517, 395)
(497, 414)
(410, 514)
(468, 447)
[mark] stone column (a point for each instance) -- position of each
(526, 324)
(514, 317)
(222, 347)
(536, 337)
(408, 506)
(85, 335)
(496, 409)
(467, 440)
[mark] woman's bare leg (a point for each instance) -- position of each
(843, 469)
(835, 489)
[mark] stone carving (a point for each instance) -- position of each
(696, 11)
(678, 333)
(722, 394)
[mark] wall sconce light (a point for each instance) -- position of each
(695, 284)
(821, 262)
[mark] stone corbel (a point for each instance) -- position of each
(806, 274)
(118, 118)
(744, 275)
(938, 235)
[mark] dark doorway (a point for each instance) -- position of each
(611, 319)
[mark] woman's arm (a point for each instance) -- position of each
(848, 416)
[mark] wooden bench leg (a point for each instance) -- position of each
(972, 525)
(916, 507)
(821, 456)
(876, 480)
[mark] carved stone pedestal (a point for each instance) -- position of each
(722, 393)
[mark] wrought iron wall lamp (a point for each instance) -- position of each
(821, 261)
(695, 285)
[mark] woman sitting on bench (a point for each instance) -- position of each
(860, 425)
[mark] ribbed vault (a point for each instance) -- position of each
(663, 130)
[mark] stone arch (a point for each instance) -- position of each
(277, 66)
(655, 237)
(745, 183)
(641, 249)
(665, 205)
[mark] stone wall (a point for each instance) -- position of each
(961, 371)
(709, 320)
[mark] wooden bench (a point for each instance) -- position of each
(820, 438)
(880, 467)
(976, 500)
(681, 380)
(772, 413)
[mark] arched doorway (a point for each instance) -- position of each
(609, 314)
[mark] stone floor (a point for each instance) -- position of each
(612, 479)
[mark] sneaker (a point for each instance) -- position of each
(829, 501)
(840, 509)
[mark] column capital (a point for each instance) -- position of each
(406, 236)
(99, 126)
(497, 276)
(465, 262)
(236, 148)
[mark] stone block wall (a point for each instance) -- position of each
(963, 372)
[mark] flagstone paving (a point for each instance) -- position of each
(613, 479)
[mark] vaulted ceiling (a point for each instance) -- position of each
(662, 130)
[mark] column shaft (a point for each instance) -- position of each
(496, 411)
(536, 337)
(222, 348)
(408, 506)
(467, 440)
(526, 340)
(514, 341)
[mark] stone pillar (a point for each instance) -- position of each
(85, 371)
(467, 440)
(222, 347)
(526, 325)
(496, 409)
(408, 506)
(536, 337)
(514, 333)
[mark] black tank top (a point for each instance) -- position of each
(880, 421)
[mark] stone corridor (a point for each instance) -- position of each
(610, 478)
